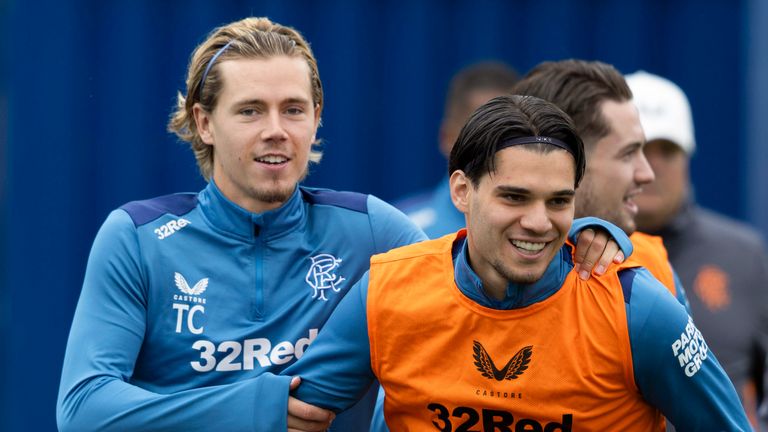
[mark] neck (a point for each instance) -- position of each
(489, 292)
(253, 203)
(496, 289)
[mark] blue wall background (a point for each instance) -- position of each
(86, 87)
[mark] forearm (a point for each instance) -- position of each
(109, 404)
(674, 368)
(96, 392)
(336, 370)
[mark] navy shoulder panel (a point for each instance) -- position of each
(143, 212)
(627, 278)
(349, 200)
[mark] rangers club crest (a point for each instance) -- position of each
(322, 275)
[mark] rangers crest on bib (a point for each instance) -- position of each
(322, 276)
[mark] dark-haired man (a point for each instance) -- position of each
(492, 329)
(597, 98)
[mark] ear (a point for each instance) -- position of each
(461, 188)
(203, 123)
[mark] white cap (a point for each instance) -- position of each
(664, 110)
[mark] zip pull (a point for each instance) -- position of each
(256, 230)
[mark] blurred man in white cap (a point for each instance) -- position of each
(722, 262)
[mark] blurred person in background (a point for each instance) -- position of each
(721, 261)
(472, 86)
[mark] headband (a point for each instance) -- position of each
(535, 140)
(210, 65)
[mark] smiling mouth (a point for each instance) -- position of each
(530, 248)
(630, 204)
(272, 159)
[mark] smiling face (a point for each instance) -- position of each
(517, 217)
(261, 130)
(616, 169)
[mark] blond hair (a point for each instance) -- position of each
(247, 38)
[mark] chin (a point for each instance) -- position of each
(526, 277)
(275, 195)
(629, 227)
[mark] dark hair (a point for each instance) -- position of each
(483, 76)
(507, 117)
(578, 87)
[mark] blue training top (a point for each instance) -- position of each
(188, 300)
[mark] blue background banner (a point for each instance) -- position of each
(86, 88)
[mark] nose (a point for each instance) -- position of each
(273, 127)
(536, 218)
(643, 171)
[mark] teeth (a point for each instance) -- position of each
(272, 159)
(532, 247)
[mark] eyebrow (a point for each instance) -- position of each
(513, 189)
(291, 100)
(524, 191)
(632, 146)
(295, 100)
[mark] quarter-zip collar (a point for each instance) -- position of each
(229, 217)
(517, 295)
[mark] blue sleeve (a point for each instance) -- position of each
(681, 296)
(673, 366)
(336, 370)
(391, 227)
(107, 332)
(378, 424)
(619, 236)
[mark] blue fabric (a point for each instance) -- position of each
(674, 368)
(348, 200)
(338, 370)
(680, 294)
(143, 212)
(617, 233)
(378, 423)
(179, 319)
(433, 211)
